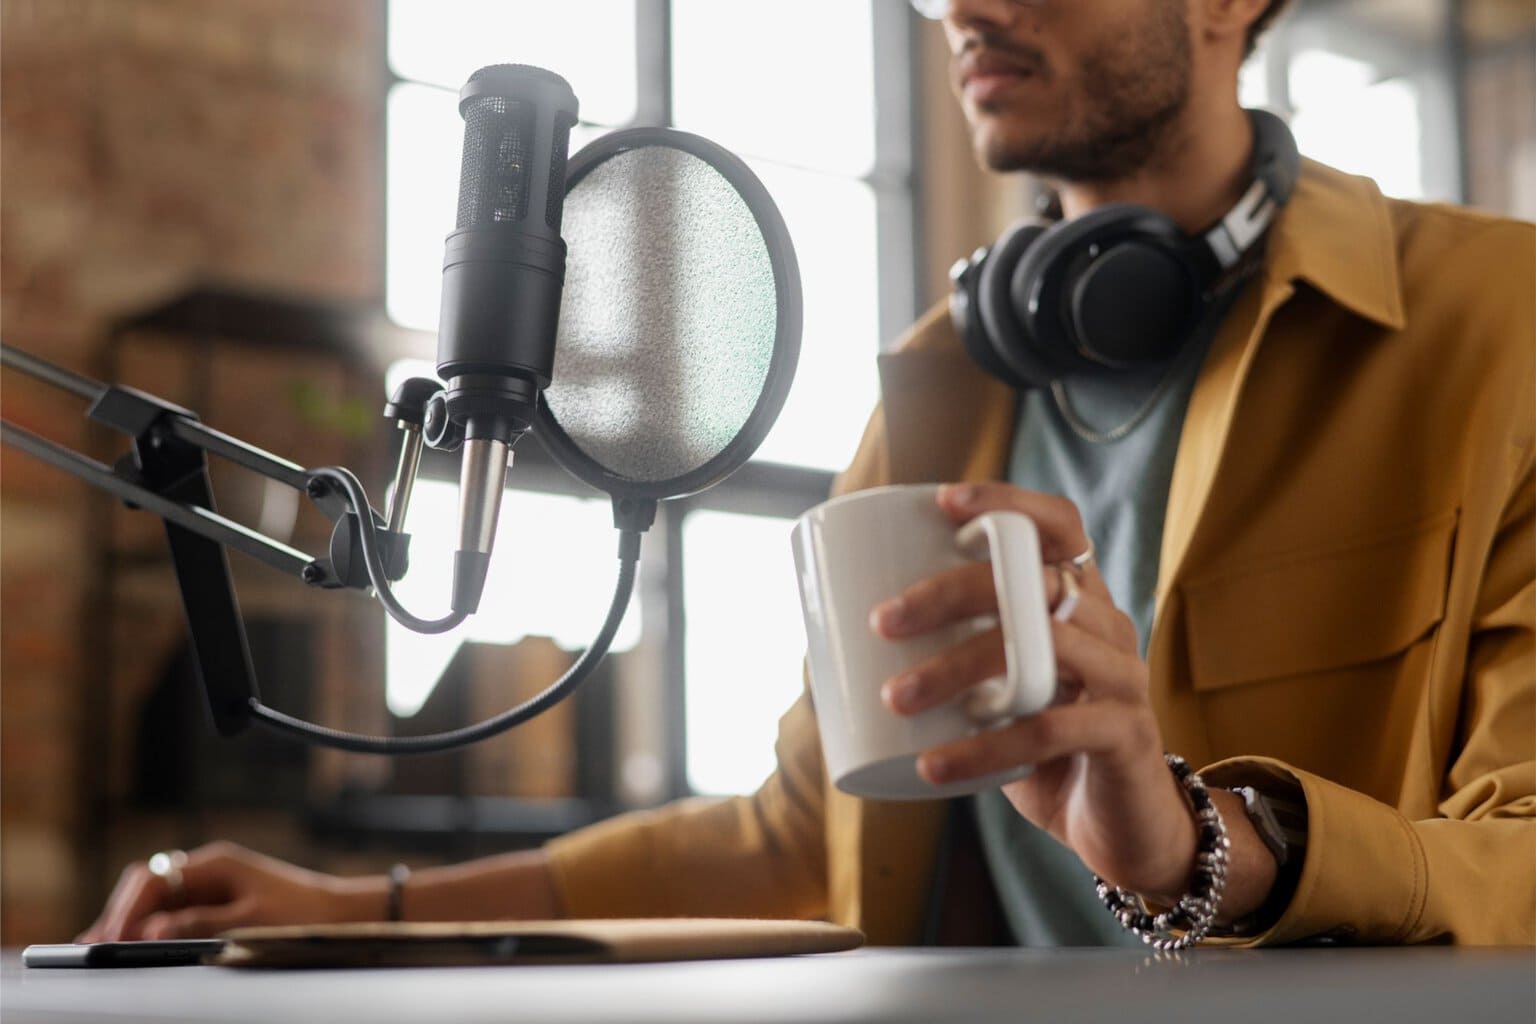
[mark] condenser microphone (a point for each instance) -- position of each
(503, 270)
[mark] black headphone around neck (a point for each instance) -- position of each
(1117, 288)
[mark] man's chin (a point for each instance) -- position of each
(997, 151)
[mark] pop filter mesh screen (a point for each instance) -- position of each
(669, 315)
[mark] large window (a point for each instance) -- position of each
(1370, 89)
(814, 95)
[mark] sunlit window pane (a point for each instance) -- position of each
(832, 223)
(425, 142)
(552, 574)
(590, 43)
(1345, 118)
(1253, 82)
(745, 644)
(791, 80)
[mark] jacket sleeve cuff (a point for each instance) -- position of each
(1364, 876)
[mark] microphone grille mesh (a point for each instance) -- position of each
(669, 315)
(493, 180)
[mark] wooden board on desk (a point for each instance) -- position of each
(442, 944)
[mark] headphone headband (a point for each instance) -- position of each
(1274, 166)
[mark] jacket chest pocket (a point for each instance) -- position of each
(1319, 610)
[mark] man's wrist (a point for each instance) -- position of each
(1191, 916)
(1252, 869)
(1176, 877)
(364, 898)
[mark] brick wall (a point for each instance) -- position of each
(144, 143)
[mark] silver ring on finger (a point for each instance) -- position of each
(1071, 594)
(166, 866)
(1078, 564)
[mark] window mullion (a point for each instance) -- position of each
(653, 62)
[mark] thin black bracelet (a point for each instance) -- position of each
(399, 874)
(1188, 920)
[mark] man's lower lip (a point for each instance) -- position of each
(983, 88)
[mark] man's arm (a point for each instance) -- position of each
(750, 856)
(1372, 875)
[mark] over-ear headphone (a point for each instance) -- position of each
(1116, 288)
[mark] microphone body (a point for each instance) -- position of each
(503, 271)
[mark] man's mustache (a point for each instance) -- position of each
(990, 54)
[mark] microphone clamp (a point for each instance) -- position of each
(439, 429)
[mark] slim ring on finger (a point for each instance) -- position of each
(1071, 594)
(167, 865)
(1079, 563)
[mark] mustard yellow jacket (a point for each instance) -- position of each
(1347, 599)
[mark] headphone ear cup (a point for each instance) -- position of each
(966, 318)
(1134, 305)
(1079, 290)
(1007, 341)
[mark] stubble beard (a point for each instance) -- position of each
(1133, 89)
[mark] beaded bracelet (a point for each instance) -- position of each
(1188, 920)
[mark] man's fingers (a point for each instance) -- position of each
(197, 922)
(1095, 612)
(1105, 672)
(1105, 668)
(945, 676)
(954, 595)
(1061, 731)
(138, 893)
(1060, 524)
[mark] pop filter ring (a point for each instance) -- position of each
(786, 345)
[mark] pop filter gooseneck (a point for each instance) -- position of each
(679, 334)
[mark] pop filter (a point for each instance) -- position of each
(680, 322)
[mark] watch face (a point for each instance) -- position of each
(1281, 824)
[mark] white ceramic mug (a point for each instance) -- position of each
(855, 551)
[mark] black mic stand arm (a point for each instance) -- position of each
(166, 472)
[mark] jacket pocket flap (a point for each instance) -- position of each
(1320, 609)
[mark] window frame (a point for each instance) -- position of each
(1440, 67)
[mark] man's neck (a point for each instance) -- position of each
(1195, 178)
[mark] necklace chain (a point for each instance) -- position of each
(1082, 429)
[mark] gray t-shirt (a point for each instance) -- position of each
(1074, 442)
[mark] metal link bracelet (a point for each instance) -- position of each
(1188, 920)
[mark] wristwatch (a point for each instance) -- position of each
(1281, 823)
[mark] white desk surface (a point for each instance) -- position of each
(1443, 985)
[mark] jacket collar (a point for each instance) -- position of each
(1336, 234)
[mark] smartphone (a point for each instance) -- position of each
(161, 953)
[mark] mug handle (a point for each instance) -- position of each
(1011, 542)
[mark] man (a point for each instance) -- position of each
(1336, 601)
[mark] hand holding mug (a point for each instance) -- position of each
(1099, 784)
(856, 550)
